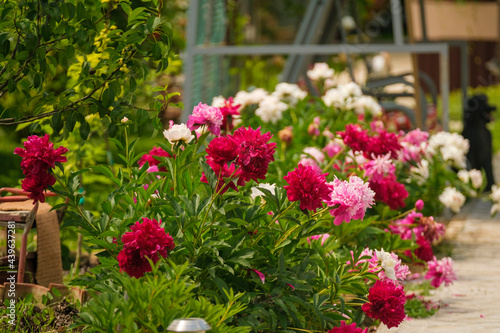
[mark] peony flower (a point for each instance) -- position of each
(222, 150)
(452, 199)
(286, 134)
(307, 186)
(386, 303)
(308, 161)
(463, 175)
(366, 103)
(315, 153)
(419, 205)
(343, 328)
(348, 23)
(355, 137)
(334, 97)
(244, 98)
(290, 93)
(476, 178)
(391, 265)
(258, 193)
(38, 158)
(424, 251)
(323, 238)
(230, 111)
(379, 166)
(452, 146)
(320, 71)
(146, 240)
(353, 197)
(271, 109)
(150, 157)
(206, 115)
(178, 133)
(334, 147)
(382, 144)
(421, 171)
(440, 271)
(389, 191)
(254, 152)
(495, 197)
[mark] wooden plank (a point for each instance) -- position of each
(453, 20)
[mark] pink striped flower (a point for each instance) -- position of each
(353, 197)
(441, 271)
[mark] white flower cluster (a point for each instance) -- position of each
(320, 71)
(421, 171)
(474, 176)
(349, 96)
(245, 98)
(290, 93)
(495, 197)
(451, 198)
(452, 146)
(271, 109)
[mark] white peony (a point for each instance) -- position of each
(387, 263)
(463, 175)
(258, 193)
(290, 93)
(348, 23)
(245, 98)
(452, 146)
(421, 171)
(476, 178)
(177, 133)
(320, 71)
(334, 97)
(366, 103)
(452, 199)
(271, 109)
(218, 102)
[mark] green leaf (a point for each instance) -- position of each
(84, 130)
(108, 96)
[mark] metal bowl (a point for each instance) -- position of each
(189, 325)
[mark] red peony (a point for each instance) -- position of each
(386, 303)
(389, 191)
(424, 251)
(145, 240)
(347, 328)
(383, 144)
(39, 157)
(308, 186)
(150, 157)
(222, 150)
(355, 137)
(254, 152)
(224, 171)
(228, 111)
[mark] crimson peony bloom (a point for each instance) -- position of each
(145, 240)
(224, 171)
(229, 110)
(254, 152)
(424, 251)
(355, 137)
(150, 157)
(388, 190)
(308, 186)
(222, 150)
(38, 158)
(386, 303)
(347, 328)
(382, 144)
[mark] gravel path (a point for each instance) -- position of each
(472, 303)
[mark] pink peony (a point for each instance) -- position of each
(355, 137)
(210, 116)
(353, 197)
(323, 238)
(307, 186)
(332, 148)
(222, 150)
(38, 158)
(388, 265)
(382, 144)
(343, 328)
(441, 271)
(379, 166)
(386, 303)
(144, 240)
(424, 251)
